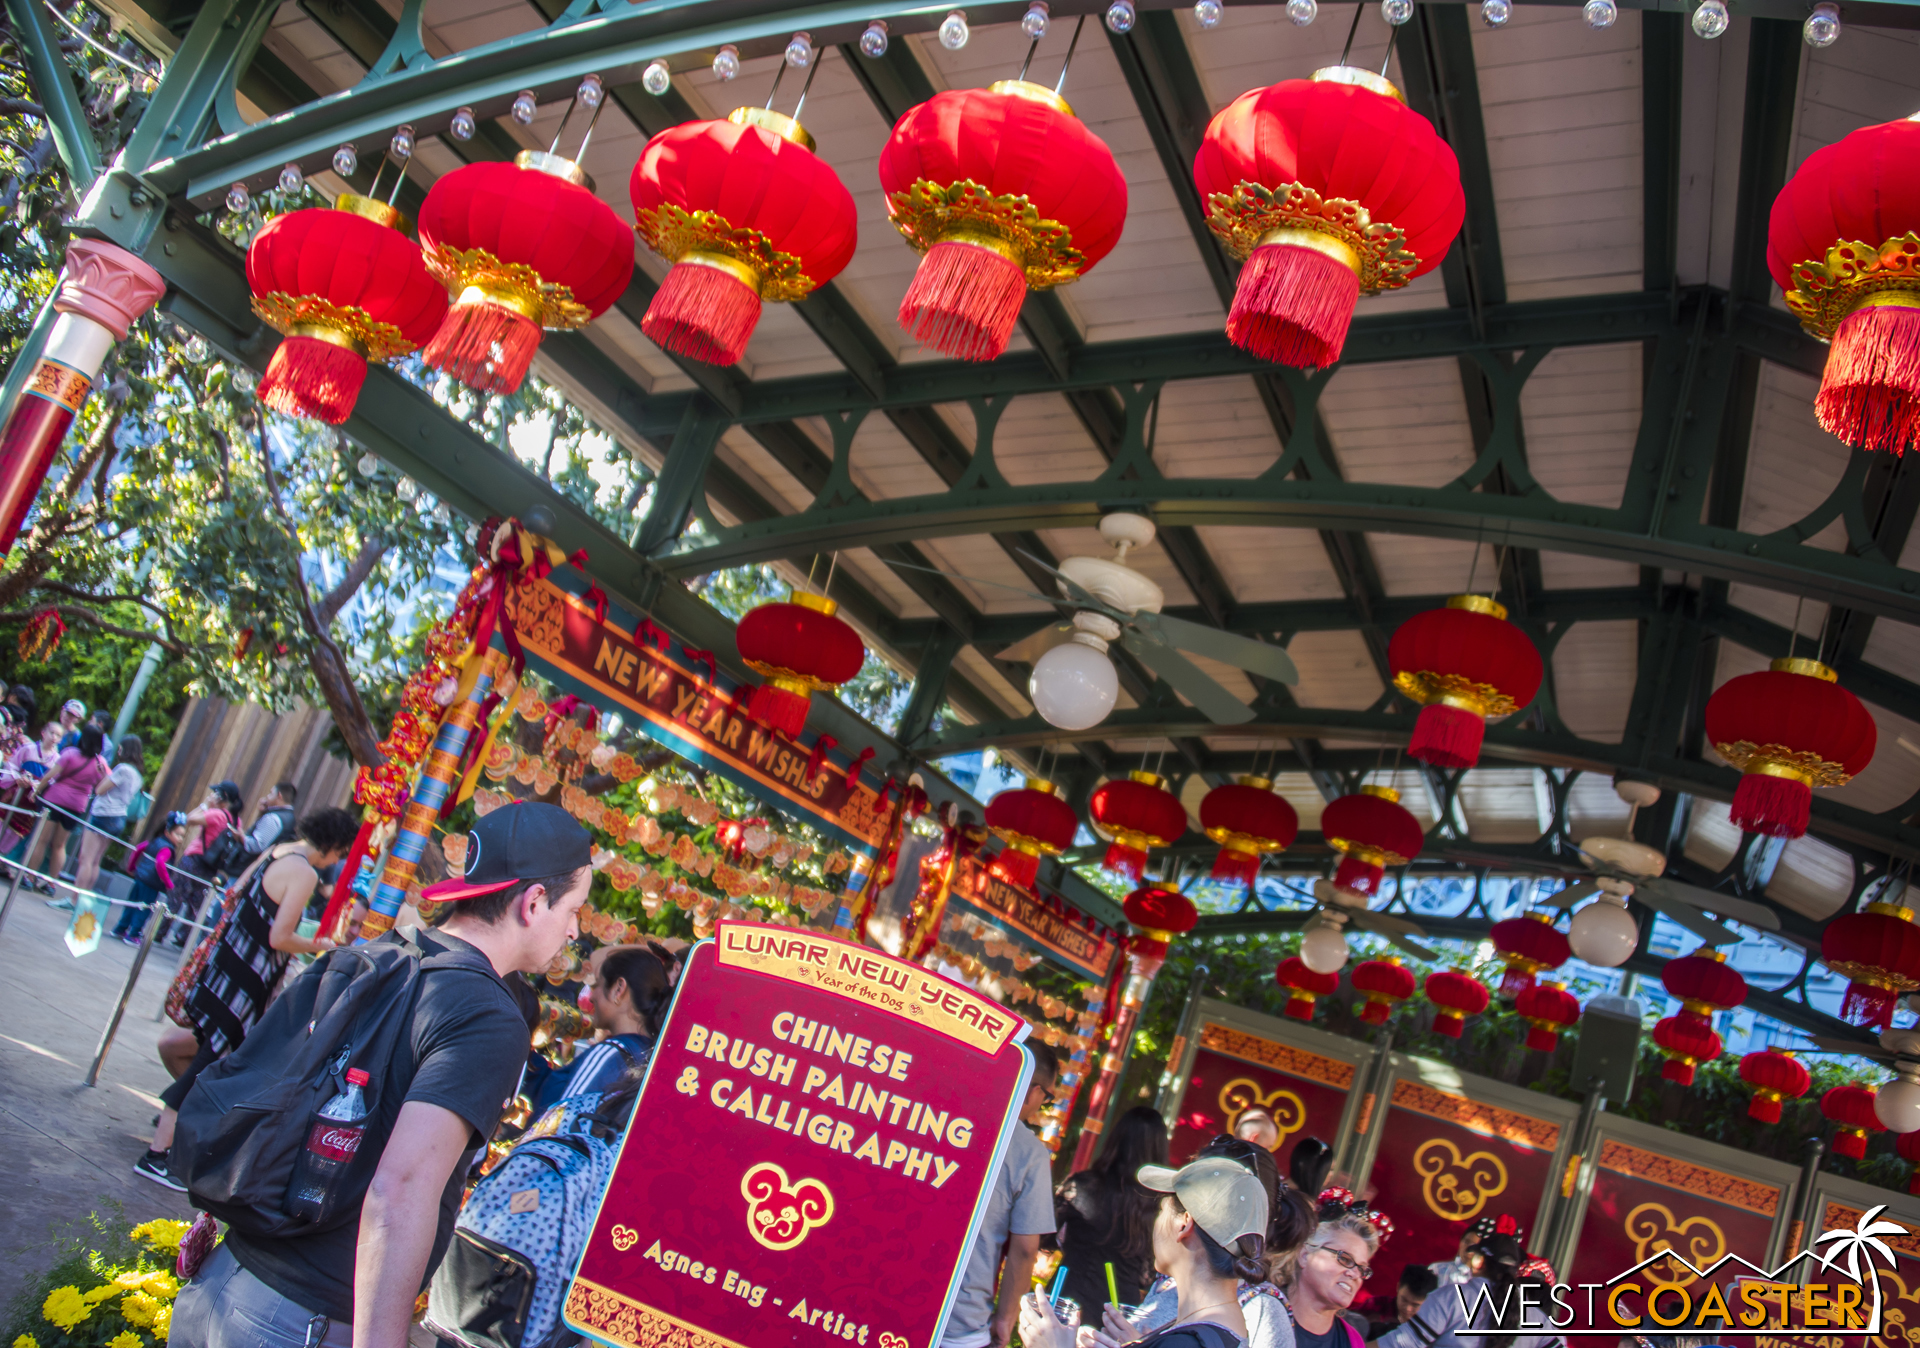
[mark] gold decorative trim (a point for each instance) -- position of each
(1244, 218)
(1386, 793)
(1777, 760)
(1491, 1120)
(703, 236)
(377, 211)
(927, 213)
(819, 603)
(1245, 842)
(1020, 842)
(1257, 783)
(1152, 779)
(311, 316)
(475, 274)
(801, 685)
(554, 166)
(1041, 784)
(777, 123)
(1813, 669)
(622, 1320)
(1714, 1185)
(1455, 690)
(61, 384)
(1852, 275)
(1033, 93)
(1840, 1217)
(1360, 78)
(1266, 1053)
(1478, 603)
(1367, 852)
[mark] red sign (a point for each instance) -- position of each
(1233, 1071)
(1051, 923)
(817, 1129)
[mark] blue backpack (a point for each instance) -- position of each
(521, 1230)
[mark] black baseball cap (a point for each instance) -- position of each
(516, 842)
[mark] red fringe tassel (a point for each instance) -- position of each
(1544, 1040)
(702, 313)
(1017, 868)
(1375, 1013)
(1515, 981)
(1232, 865)
(1866, 1004)
(1293, 306)
(1766, 1109)
(1775, 806)
(1359, 876)
(777, 709)
(1678, 1072)
(1128, 861)
(311, 378)
(1850, 1142)
(1300, 1008)
(964, 301)
(1448, 1024)
(1870, 393)
(484, 345)
(1447, 737)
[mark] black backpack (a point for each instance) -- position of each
(245, 1122)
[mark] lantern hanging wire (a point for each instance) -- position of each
(813, 68)
(1386, 60)
(1061, 83)
(567, 116)
(1352, 29)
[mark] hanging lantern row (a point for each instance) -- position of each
(1465, 665)
(1549, 1009)
(1371, 831)
(1788, 728)
(1136, 813)
(1456, 995)
(1878, 951)
(1249, 822)
(1305, 986)
(800, 648)
(1851, 1108)
(1776, 1076)
(1033, 822)
(1687, 1042)
(1383, 984)
(1528, 946)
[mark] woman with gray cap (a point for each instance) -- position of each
(1209, 1236)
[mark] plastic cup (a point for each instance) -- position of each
(1067, 1311)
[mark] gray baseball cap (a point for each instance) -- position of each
(1225, 1198)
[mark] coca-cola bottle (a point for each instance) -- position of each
(331, 1144)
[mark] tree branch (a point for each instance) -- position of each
(358, 570)
(76, 613)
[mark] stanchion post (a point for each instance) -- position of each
(1173, 1081)
(13, 886)
(126, 993)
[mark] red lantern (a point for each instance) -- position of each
(1703, 983)
(1776, 1076)
(1158, 915)
(799, 648)
(1329, 188)
(1842, 245)
(1384, 984)
(745, 212)
(1687, 1042)
(1879, 952)
(519, 247)
(1549, 1008)
(346, 286)
(1248, 821)
(1033, 822)
(1528, 946)
(1788, 729)
(1908, 1145)
(1465, 665)
(1304, 984)
(1372, 831)
(1457, 994)
(1137, 814)
(1851, 1108)
(1001, 189)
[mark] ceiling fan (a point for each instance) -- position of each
(1340, 906)
(1897, 1103)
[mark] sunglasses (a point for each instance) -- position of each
(1347, 1261)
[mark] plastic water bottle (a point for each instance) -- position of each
(331, 1144)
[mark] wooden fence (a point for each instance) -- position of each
(254, 748)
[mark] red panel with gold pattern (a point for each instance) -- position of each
(1899, 1285)
(1234, 1071)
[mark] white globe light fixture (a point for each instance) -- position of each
(1323, 945)
(1897, 1104)
(1074, 685)
(1604, 932)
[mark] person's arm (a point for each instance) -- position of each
(266, 832)
(1016, 1280)
(399, 1220)
(292, 899)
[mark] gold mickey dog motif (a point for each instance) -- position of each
(893, 1341)
(1457, 1187)
(624, 1237)
(1653, 1229)
(780, 1212)
(1242, 1094)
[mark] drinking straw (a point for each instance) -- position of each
(1113, 1293)
(1059, 1281)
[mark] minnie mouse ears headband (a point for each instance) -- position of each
(1495, 1226)
(1336, 1202)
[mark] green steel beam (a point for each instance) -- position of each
(53, 83)
(1661, 36)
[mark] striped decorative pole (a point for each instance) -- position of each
(437, 778)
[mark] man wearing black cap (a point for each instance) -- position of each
(528, 868)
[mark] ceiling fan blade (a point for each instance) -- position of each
(1860, 1048)
(1571, 895)
(1384, 923)
(1080, 595)
(1419, 952)
(1052, 599)
(1544, 865)
(1036, 644)
(1189, 680)
(1725, 905)
(1256, 657)
(1692, 919)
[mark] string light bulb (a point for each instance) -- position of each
(726, 63)
(524, 107)
(954, 31)
(1495, 13)
(1121, 16)
(656, 79)
(1303, 12)
(1822, 26)
(1600, 13)
(1710, 19)
(401, 146)
(238, 198)
(1034, 22)
(1207, 13)
(800, 51)
(873, 41)
(346, 161)
(1396, 12)
(463, 124)
(590, 92)
(291, 178)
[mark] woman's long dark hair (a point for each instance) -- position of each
(1309, 1164)
(1140, 1138)
(1500, 1262)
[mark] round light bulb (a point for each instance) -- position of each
(656, 79)
(402, 143)
(590, 92)
(1396, 12)
(1710, 20)
(1604, 932)
(1303, 12)
(1822, 26)
(1495, 13)
(462, 126)
(954, 31)
(873, 40)
(472, 535)
(1034, 22)
(524, 107)
(726, 63)
(1121, 16)
(800, 51)
(1323, 947)
(1073, 686)
(407, 489)
(238, 198)
(1897, 1104)
(291, 178)
(197, 349)
(368, 465)
(244, 379)
(1207, 13)
(346, 160)
(1600, 13)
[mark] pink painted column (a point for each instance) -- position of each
(102, 290)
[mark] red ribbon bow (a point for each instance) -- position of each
(818, 757)
(651, 635)
(860, 761)
(510, 568)
(695, 657)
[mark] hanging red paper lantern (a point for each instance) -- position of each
(1465, 665)
(1704, 983)
(1033, 822)
(1841, 242)
(1304, 984)
(346, 286)
(519, 247)
(1137, 813)
(1776, 1076)
(1908, 1145)
(1878, 951)
(1549, 1008)
(1329, 188)
(40, 638)
(1248, 821)
(799, 648)
(1788, 729)
(1158, 915)
(1528, 946)
(1687, 1042)
(1850, 1107)
(1001, 189)
(745, 211)
(1372, 831)
(1457, 994)
(1384, 984)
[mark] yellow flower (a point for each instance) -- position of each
(163, 1233)
(102, 1292)
(65, 1307)
(163, 1323)
(140, 1309)
(162, 1284)
(126, 1338)
(26, 1341)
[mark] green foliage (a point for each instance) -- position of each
(97, 668)
(108, 1287)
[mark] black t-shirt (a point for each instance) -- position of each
(1335, 1337)
(1092, 1224)
(469, 1044)
(1202, 1334)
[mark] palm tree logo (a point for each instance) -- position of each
(1846, 1247)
